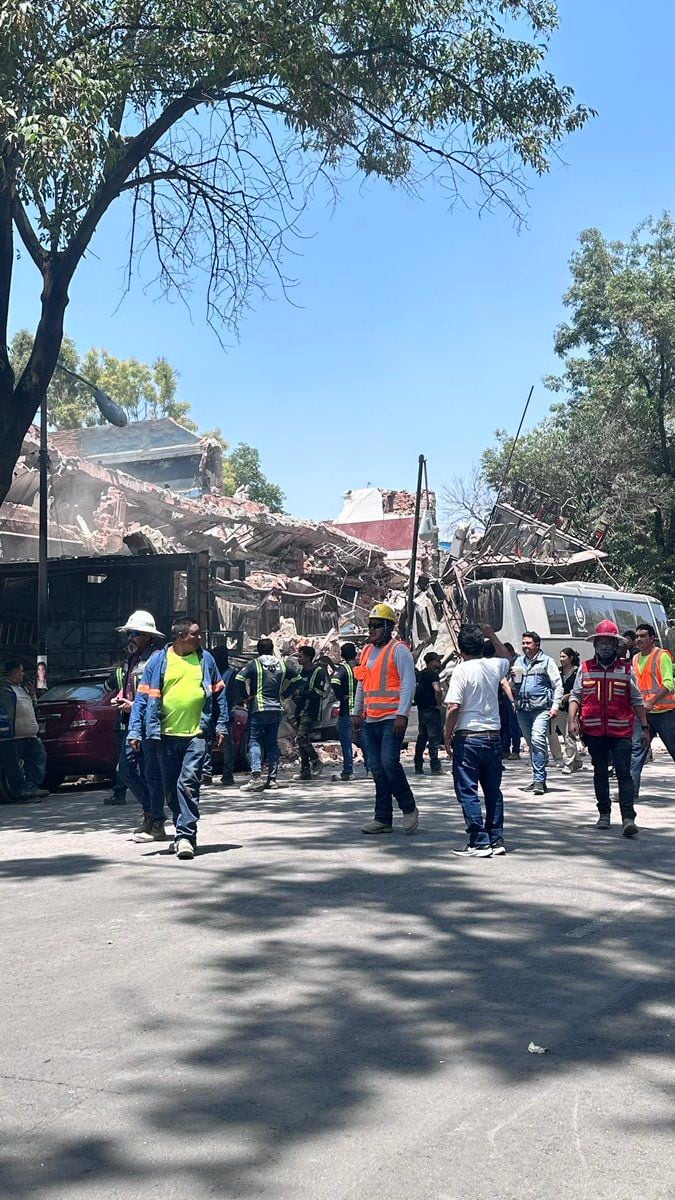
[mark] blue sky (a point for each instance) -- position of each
(414, 329)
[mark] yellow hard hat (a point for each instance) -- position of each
(383, 612)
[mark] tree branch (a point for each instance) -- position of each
(27, 233)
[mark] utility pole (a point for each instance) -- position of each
(115, 416)
(41, 672)
(410, 607)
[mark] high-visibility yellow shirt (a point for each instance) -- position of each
(182, 695)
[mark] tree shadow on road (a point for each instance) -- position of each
(338, 975)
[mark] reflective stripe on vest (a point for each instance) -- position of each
(650, 680)
(381, 690)
(606, 707)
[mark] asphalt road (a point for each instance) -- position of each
(304, 1013)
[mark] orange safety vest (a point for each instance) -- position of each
(650, 680)
(381, 682)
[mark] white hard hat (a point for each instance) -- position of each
(142, 622)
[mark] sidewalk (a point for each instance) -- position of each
(305, 1013)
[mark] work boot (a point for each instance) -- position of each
(602, 821)
(145, 825)
(376, 827)
(629, 827)
(228, 781)
(410, 821)
(184, 848)
(539, 788)
(419, 770)
(156, 833)
(317, 769)
(255, 784)
(302, 776)
(113, 799)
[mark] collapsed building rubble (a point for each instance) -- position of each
(265, 567)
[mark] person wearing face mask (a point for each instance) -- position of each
(384, 696)
(604, 702)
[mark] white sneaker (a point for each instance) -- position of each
(411, 821)
(375, 827)
(475, 851)
(184, 848)
(255, 784)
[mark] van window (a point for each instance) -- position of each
(586, 612)
(558, 621)
(630, 613)
(485, 603)
(533, 608)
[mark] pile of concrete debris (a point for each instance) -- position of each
(265, 567)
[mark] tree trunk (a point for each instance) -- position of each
(12, 432)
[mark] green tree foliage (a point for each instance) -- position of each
(215, 119)
(144, 391)
(244, 464)
(609, 444)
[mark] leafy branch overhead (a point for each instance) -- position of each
(216, 118)
(608, 445)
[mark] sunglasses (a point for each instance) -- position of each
(376, 624)
(135, 632)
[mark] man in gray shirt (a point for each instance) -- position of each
(384, 696)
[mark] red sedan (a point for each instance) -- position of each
(77, 727)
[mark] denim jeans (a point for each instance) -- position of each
(182, 762)
(345, 733)
(142, 775)
(510, 731)
(619, 749)
(263, 734)
(228, 753)
(34, 756)
(119, 788)
(431, 731)
(384, 752)
(478, 760)
(662, 724)
(534, 727)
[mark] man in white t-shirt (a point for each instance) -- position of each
(473, 736)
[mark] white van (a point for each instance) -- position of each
(563, 614)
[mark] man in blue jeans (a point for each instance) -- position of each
(386, 689)
(473, 737)
(180, 704)
(263, 680)
(539, 690)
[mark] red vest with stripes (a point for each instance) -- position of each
(606, 708)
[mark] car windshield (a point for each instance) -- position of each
(74, 691)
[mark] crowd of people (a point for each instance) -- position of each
(175, 705)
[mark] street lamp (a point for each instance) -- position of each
(115, 416)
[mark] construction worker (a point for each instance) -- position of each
(384, 696)
(653, 668)
(308, 690)
(179, 706)
(139, 772)
(263, 680)
(603, 705)
(343, 683)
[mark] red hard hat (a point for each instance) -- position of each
(606, 629)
